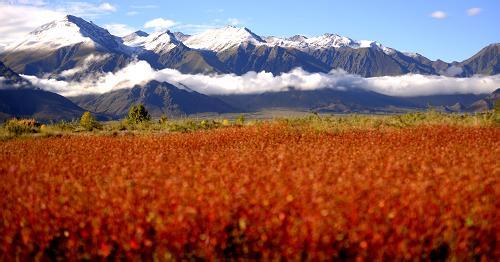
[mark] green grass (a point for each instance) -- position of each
(339, 123)
(323, 123)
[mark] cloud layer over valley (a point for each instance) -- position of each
(140, 72)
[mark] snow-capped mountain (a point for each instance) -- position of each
(135, 39)
(164, 50)
(324, 42)
(67, 47)
(221, 39)
(158, 42)
(72, 48)
(181, 36)
(67, 31)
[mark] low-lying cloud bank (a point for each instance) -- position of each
(140, 72)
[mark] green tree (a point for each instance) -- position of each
(88, 122)
(138, 114)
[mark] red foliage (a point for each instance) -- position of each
(256, 192)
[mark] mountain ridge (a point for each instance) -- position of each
(91, 49)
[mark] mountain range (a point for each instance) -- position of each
(73, 49)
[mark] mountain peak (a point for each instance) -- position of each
(73, 19)
(332, 40)
(141, 33)
(297, 38)
(223, 38)
(165, 36)
(330, 35)
(181, 36)
(162, 41)
(135, 38)
(66, 31)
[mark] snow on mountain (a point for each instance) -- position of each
(297, 38)
(135, 39)
(161, 42)
(325, 41)
(411, 54)
(223, 38)
(157, 42)
(69, 30)
(331, 40)
(181, 36)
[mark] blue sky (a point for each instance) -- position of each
(445, 29)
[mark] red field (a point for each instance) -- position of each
(255, 192)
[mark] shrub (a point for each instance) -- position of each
(22, 126)
(163, 119)
(88, 122)
(138, 114)
(240, 120)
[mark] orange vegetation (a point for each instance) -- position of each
(255, 192)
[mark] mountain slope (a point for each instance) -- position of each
(221, 39)
(164, 50)
(158, 98)
(485, 62)
(325, 41)
(369, 62)
(325, 100)
(9, 78)
(38, 104)
(485, 104)
(249, 57)
(70, 47)
(135, 39)
(242, 51)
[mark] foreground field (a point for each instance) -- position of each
(265, 191)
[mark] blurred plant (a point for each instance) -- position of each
(22, 126)
(240, 120)
(163, 120)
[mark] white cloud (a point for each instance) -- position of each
(453, 71)
(199, 28)
(107, 7)
(143, 6)
(18, 20)
(473, 11)
(86, 63)
(140, 72)
(85, 10)
(131, 13)
(439, 15)
(234, 21)
(119, 29)
(28, 2)
(159, 24)
(195, 28)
